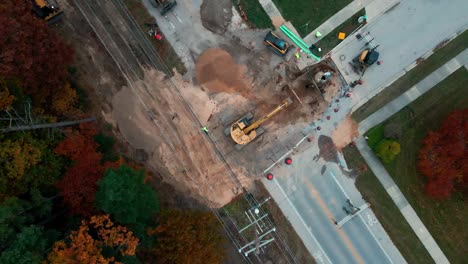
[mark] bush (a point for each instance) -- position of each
(393, 130)
(387, 150)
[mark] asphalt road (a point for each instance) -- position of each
(312, 194)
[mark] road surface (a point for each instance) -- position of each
(312, 194)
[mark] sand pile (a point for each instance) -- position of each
(217, 71)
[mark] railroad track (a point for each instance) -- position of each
(132, 52)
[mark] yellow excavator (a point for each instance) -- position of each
(243, 131)
(47, 10)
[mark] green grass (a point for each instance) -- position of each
(445, 220)
(440, 57)
(256, 15)
(301, 12)
(331, 40)
(375, 135)
(164, 48)
(386, 211)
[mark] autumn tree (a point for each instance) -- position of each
(442, 158)
(16, 157)
(31, 53)
(63, 101)
(188, 238)
(123, 194)
(6, 98)
(79, 184)
(387, 150)
(98, 241)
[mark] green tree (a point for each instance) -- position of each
(16, 214)
(12, 219)
(387, 150)
(28, 247)
(123, 194)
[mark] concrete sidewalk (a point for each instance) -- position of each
(400, 201)
(376, 166)
(273, 12)
(414, 92)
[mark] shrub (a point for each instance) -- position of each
(387, 150)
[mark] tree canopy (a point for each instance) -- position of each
(79, 184)
(442, 158)
(31, 53)
(98, 240)
(123, 194)
(188, 237)
(28, 247)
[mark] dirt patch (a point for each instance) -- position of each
(217, 71)
(328, 149)
(277, 21)
(216, 15)
(345, 133)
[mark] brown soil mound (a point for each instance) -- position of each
(345, 133)
(217, 71)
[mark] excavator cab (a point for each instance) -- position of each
(244, 131)
(369, 57)
(47, 10)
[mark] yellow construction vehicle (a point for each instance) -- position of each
(47, 10)
(243, 131)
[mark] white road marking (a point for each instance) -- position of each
(175, 14)
(362, 219)
(302, 220)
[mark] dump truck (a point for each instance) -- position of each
(244, 130)
(47, 10)
(276, 44)
(164, 5)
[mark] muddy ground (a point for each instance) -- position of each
(236, 77)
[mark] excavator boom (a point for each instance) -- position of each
(243, 133)
(257, 123)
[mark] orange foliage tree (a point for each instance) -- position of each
(188, 237)
(87, 243)
(79, 184)
(442, 158)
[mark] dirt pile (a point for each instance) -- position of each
(216, 15)
(217, 71)
(156, 121)
(345, 133)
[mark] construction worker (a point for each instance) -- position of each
(205, 130)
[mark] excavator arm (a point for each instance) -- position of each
(260, 121)
(243, 135)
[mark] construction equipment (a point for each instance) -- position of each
(243, 131)
(276, 44)
(164, 5)
(47, 10)
(368, 57)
